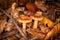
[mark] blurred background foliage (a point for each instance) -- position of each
(7, 3)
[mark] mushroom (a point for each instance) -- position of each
(24, 20)
(37, 17)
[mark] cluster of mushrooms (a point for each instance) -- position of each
(33, 24)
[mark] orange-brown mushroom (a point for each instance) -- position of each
(24, 19)
(37, 17)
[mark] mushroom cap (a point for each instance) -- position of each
(24, 19)
(39, 13)
(37, 17)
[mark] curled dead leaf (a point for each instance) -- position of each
(40, 5)
(48, 22)
(31, 6)
(53, 32)
(2, 25)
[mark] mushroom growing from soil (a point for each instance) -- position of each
(24, 20)
(37, 17)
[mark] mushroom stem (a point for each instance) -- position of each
(24, 27)
(35, 24)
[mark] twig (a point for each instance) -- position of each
(17, 27)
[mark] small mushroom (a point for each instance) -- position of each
(24, 20)
(37, 17)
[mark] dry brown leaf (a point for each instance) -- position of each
(11, 38)
(9, 25)
(53, 32)
(43, 28)
(31, 7)
(2, 25)
(48, 22)
(34, 32)
(40, 5)
(14, 11)
(29, 13)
